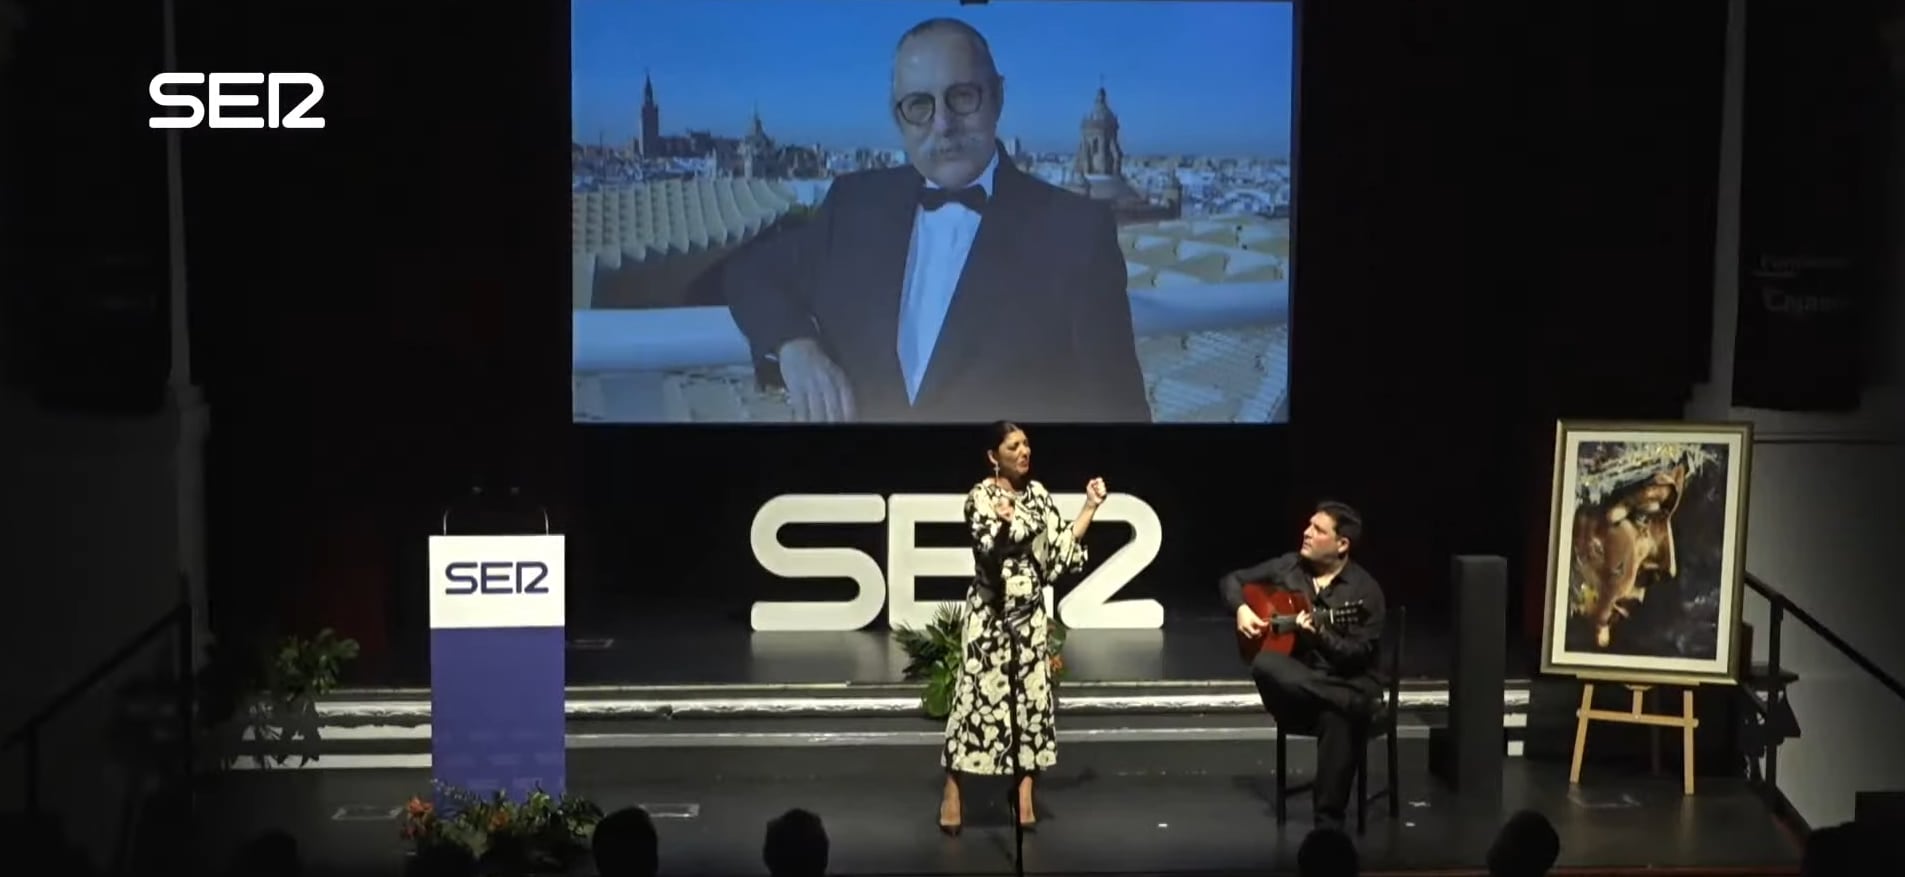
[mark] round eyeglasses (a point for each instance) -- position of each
(919, 107)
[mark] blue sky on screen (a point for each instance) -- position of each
(1210, 78)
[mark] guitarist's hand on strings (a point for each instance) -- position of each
(1248, 623)
(1306, 621)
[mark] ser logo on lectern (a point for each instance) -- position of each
(496, 577)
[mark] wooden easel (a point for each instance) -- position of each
(1637, 715)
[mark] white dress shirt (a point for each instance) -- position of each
(934, 262)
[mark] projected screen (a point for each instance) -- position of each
(903, 211)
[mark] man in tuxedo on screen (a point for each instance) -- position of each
(1328, 685)
(957, 288)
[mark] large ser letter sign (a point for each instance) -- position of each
(818, 563)
(1088, 606)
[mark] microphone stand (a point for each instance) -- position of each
(1017, 688)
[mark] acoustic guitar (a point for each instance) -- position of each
(1280, 607)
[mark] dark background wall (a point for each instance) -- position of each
(391, 326)
(1506, 215)
(1811, 163)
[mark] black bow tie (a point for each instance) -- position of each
(973, 197)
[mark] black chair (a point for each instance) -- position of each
(1382, 725)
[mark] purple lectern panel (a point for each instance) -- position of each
(497, 713)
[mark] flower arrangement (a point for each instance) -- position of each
(933, 656)
(261, 702)
(541, 833)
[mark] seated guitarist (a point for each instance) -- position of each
(1328, 684)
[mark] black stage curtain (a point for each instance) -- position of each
(384, 300)
(1811, 205)
(1505, 217)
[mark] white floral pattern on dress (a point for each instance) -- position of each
(1018, 560)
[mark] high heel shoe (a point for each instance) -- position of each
(1028, 818)
(949, 829)
(1024, 804)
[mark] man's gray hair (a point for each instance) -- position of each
(980, 48)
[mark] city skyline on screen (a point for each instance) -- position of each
(706, 132)
(1213, 79)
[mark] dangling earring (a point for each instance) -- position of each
(995, 470)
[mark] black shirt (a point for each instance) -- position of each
(1348, 652)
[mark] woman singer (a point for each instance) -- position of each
(1020, 547)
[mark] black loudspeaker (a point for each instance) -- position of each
(1880, 816)
(1880, 810)
(1467, 755)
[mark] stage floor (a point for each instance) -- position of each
(697, 650)
(1143, 808)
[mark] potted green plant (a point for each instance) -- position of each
(261, 703)
(933, 656)
(541, 834)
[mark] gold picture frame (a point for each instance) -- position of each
(1646, 511)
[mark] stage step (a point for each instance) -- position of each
(404, 706)
(765, 751)
(390, 728)
(1635, 871)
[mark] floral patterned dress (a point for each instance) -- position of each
(1004, 641)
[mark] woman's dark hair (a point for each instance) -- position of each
(999, 430)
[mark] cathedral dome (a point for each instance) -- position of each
(1101, 113)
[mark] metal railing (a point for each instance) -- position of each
(28, 735)
(1773, 709)
(665, 339)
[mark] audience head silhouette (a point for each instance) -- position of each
(271, 854)
(46, 834)
(1526, 846)
(1849, 848)
(625, 844)
(1327, 852)
(442, 860)
(796, 845)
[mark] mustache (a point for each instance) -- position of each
(955, 144)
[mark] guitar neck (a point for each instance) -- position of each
(1327, 616)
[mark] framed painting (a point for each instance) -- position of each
(1646, 551)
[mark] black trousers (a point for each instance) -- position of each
(1305, 700)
